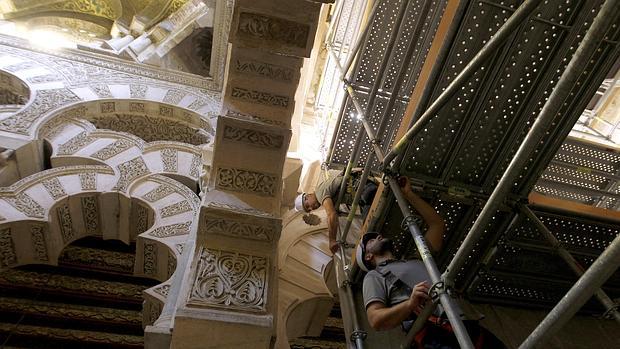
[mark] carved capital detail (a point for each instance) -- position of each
(246, 181)
(265, 70)
(230, 280)
(253, 137)
(239, 229)
(256, 26)
(260, 97)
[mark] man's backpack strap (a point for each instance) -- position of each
(393, 280)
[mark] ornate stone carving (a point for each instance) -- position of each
(230, 280)
(8, 257)
(142, 219)
(51, 128)
(65, 223)
(169, 158)
(166, 111)
(111, 150)
(38, 242)
(175, 209)
(102, 91)
(88, 180)
(197, 104)
(249, 210)
(171, 230)
(25, 204)
(162, 290)
(152, 128)
(239, 229)
(20, 66)
(265, 70)
(136, 107)
(158, 193)
(44, 101)
(172, 264)
(76, 143)
(54, 187)
(240, 180)
(194, 169)
(137, 91)
(257, 26)
(44, 78)
(97, 259)
(173, 96)
(107, 107)
(90, 212)
(129, 171)
(253, 137)
(150, 258)
(260, 97)
(179, 248)
(255, 118)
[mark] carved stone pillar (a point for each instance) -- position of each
(232, 284)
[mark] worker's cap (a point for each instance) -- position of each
(299, 203)
(361, 251)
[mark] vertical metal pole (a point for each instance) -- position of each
(609, 305)
(446, 301)
(509, 28)
(561, 92)
(400, 77)
(371, 97)
(357, 335)
(602, 268)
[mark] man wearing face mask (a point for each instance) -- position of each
(395, 291)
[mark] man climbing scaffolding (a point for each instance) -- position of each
(395, 291)
(326, 195)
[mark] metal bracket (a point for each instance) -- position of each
(437, 290)
(410, 219)
(358, 335)
(345, 244)
(608, 313)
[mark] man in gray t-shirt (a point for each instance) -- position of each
(326, 195)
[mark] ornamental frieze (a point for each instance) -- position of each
(239, 228)
(65, 223)
(171, 230)
(260, 97)
(150, 259)
(175, 209)
(238, 208)
(111, 150)
(240, 180)
(90, 213)
(262, 27)
(74, 144)
(88, 180)
(169, 159)
(253, 137)
(230, 280)
(38, 243)
(264, 70)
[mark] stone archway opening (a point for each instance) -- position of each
(14, 94)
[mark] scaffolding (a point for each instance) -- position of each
(389, 162)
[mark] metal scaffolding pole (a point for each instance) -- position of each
(371, 97)
(560, 94)
(441, 288)
(344, 282)
(400, 79)
(509, 28)
(362, 39)
(602, 268)
(609, 304)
